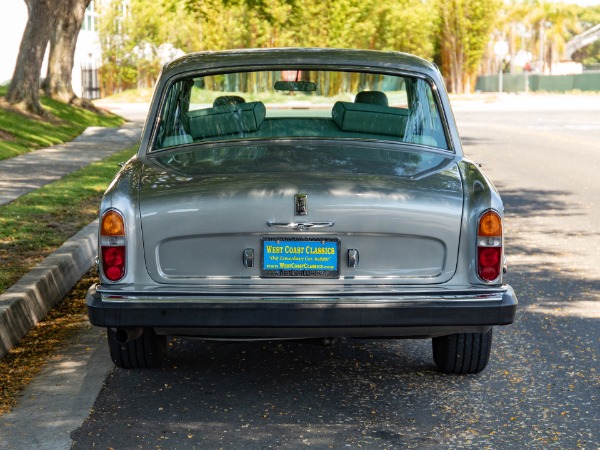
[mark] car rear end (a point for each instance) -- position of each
(300, 212)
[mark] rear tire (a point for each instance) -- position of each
(146, 351)
(462, 353)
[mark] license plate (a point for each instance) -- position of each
(300, 257)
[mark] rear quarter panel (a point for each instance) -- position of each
(480, 195)
(123, 196)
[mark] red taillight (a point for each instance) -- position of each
(113, 262)
(489, 246)
(112, 245)
(489, 256)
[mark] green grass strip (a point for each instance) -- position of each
(21, 134)
(36, 224)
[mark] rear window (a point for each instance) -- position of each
(300, 104)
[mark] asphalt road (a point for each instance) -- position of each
(541, 389)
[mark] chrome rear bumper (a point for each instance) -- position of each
(236, 315)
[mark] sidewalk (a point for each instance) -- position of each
(59, 399)
(30, 171)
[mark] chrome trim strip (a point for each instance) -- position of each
(301, 226)
(371, 301)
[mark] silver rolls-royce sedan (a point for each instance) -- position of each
(301, 193)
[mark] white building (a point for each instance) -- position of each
(12, 24)
(88, 54)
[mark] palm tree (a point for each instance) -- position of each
(551, 26)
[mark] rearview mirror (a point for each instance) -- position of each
(296, 86)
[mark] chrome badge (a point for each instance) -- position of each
(301, 204)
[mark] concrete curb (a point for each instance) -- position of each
(28, 301)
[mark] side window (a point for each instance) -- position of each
(437, 127)
(424, 125)
(172, 128)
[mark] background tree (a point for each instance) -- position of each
(551, 23)
(465, 28)
(69, 16)
(131, 34)
(541, 30)
(57, 22)
(118, 68)
(131, 39)
(458, 34)
(589, 56)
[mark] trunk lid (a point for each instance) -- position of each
(398, 210)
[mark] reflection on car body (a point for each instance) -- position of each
(301, 193)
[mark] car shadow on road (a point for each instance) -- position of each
(538, 238)
(524, 202)
(280, 394)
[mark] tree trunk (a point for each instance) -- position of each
(25, 84)
(58, 83)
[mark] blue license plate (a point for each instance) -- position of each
(300, 257)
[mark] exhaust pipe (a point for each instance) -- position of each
(125, 335)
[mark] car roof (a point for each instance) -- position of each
(319, 57)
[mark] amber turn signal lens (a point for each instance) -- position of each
(112, 224)
(490, 224)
